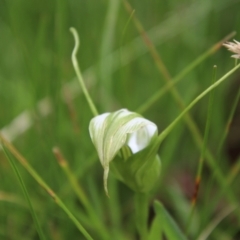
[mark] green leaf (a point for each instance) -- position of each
(156, 229)
(166, 222)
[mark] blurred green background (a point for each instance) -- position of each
(37, 78)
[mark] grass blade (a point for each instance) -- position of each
(202, 156)
(156, 229)
(44, 185)
(26, 195)
(102, 231)
(170, 83)
(169, 226)
(209, 229)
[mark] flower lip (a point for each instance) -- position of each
(140, 139)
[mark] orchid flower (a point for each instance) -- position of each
(114, 133)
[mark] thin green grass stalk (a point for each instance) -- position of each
(44, 185)
(170, 84)
(102, 231)
(162, 136)
(26, 195)
(222, 140)
(71, 177)
(78, 72)
(141, 209)
(158, 61)
(105, 68)
(202, 156)
(60, 25)
(95, 193)
(226, 129)
(234, 172)
(229, 121)
(126, 26)
(121, 54)
(170, 127)
(166, 76)
(213, 224)
(156, 96)
(229, 180)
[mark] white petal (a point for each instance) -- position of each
(140, 139)
(97, 129)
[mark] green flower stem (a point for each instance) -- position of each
(44, 185)
(78, 72)
(167, 130)
(141, 208)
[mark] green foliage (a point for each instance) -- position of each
(166, 223)
(43, 106)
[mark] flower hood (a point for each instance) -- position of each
(111, 131)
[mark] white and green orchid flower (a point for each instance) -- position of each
(121, 135)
